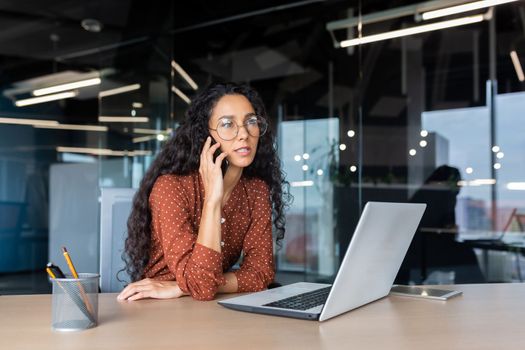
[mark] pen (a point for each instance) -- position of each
(50, 273)
(55, 269)
(75, 275)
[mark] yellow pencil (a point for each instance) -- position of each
(75, 275)
(70, 263)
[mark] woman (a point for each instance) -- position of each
(195, 214)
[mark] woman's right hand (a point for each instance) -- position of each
(211, 172)
(150, 288)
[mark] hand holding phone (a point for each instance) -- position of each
(217, 153)
(211, 171)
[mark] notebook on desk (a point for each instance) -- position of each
(372, 260)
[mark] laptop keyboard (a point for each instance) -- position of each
(303, 301)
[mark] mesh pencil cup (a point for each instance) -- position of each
(75, 302)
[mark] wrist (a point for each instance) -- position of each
(212, 204)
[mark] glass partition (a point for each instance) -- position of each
(434, 125)
(61, 71)
(309, 155)
(429, 117)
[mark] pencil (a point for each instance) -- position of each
(70, 263)
(75, 275)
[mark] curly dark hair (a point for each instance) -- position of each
(181, 155)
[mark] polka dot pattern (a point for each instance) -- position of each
(176, 207)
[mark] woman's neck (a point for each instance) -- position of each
(231, 178)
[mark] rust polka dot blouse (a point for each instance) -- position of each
(176, 206)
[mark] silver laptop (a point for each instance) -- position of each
(374, 256)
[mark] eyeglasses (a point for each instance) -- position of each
(227, 129)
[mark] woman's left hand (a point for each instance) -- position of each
(150, 288)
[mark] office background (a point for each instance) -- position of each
(434, 117)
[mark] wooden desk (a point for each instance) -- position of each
(490, 316)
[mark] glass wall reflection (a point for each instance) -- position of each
(62, 67)
(310, 154)
(432, 117)
(444, 108)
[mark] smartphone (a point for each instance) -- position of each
(224, 165)
(424, 292)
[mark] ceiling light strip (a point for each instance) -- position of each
(116, 119)
(181, 94)
(144, 138)
(413, 30)
(463, 8)
(74, 127)
(147, 131)
(184, 75)
(119, 90)
(517, 65)
(516, 186)
(68, 86)
(477, 182)
(102, 151)
(33, 122)
(46, 98)
(393, 13)
(307, 183)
